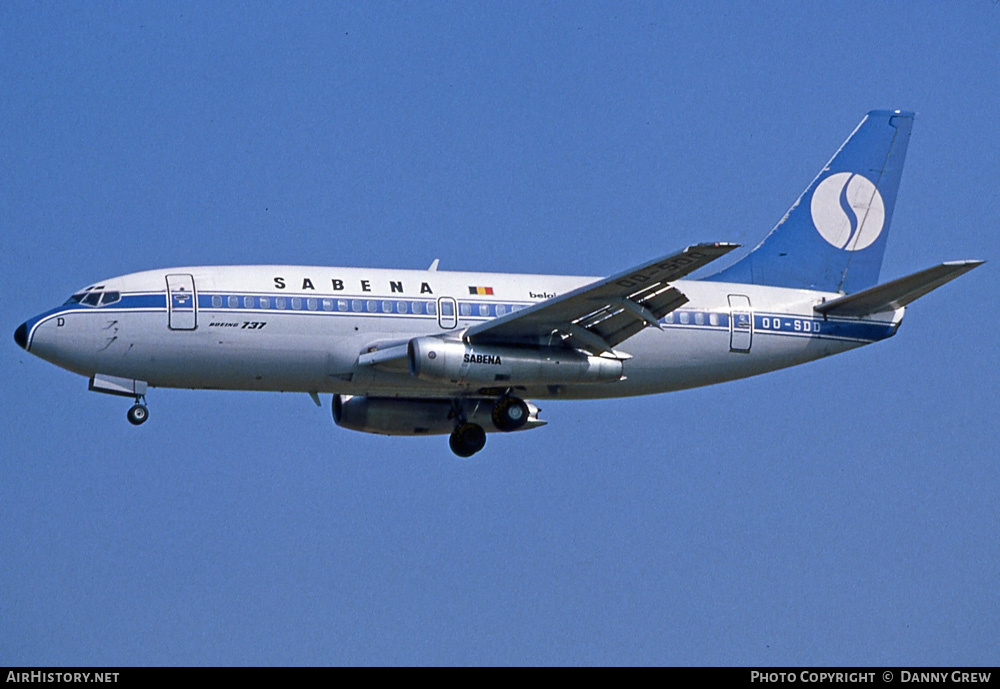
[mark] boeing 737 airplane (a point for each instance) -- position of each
(408, 352)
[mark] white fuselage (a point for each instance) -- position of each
(295, 328)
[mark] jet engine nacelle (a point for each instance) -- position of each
(456, 362)
(394, 416)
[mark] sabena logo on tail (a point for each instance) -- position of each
(848, 211)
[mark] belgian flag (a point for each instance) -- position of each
(480, 290)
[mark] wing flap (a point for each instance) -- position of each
(897, 293)
(618, 322)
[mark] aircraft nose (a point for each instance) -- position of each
(21, 335)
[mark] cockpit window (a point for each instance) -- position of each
(95, 296)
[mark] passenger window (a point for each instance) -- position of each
(699, 319)
(387, 307)
(110, 298)
(431, 308)
(234, 302)
(265, 303)
(217, 301)
(311, 304)
(372, 306)
(248, 302)
(401, 307)
(685, 318)
(484, 309)
(296, 303)
(356, 305)
(279, 302)
(418, 307)
(713, 319)
(501, 309)
(465, 309)
(328, 304)
(92, 299)
(669, 318)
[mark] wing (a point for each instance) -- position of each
(598, 316)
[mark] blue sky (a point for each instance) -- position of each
(842, 512)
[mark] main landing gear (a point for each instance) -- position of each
(138, 414)
(467, 439)
(509, 414)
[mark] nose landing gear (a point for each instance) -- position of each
(138, 414)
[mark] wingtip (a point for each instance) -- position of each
(971, 263)
(724, 246)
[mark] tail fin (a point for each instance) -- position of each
(833, 238)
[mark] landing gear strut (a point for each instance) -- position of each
(510, 413)
(138, 414)
(467, 439)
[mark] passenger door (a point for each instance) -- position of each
(740, 323)
(447, 313)
(182, 303)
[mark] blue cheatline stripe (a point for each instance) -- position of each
(764, 323)
(341, 305)
(783, 324)
(347, 304)
(871, 331)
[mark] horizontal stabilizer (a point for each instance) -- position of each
(898, 293)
